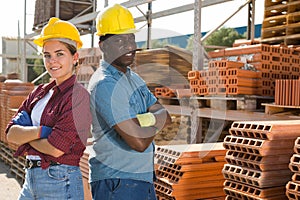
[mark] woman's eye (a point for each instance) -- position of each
(46, 56)
(59, 54)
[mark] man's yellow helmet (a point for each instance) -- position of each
(115, 20)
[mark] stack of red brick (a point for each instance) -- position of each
(287, 92)
(12, 94)
(293, 186)
(191, 171)
(258, 157)
(224, 77)
(271, 61)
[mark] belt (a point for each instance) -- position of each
(37, 163)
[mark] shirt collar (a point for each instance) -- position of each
(62, 87)
(113, 70)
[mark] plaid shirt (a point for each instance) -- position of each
(68, 113)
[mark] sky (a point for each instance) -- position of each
(12, 18)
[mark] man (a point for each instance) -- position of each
(126, 115)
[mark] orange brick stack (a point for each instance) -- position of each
(191, 171)
(272, 61)
(287, 92)
(12, 95)
(293, 186)
(258, 157)
(224, 77)
(164, 92)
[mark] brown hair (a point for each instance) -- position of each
(72, 50)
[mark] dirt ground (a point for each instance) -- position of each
(10, 186)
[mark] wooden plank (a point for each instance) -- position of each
(273, 108)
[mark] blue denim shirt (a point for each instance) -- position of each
(116, 97)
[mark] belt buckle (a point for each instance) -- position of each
(30, 164)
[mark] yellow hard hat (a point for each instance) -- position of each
(59, 29)
(115, 20)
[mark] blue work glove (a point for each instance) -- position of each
(45, 131)
(22, 118)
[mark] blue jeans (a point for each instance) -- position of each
(122, 189)
(57, 182)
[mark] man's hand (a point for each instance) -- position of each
(22, 118)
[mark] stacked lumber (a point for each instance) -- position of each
(153, 66)
(281, 22)
(225, 77)
(163, 67)
(192, 171)
(272, 61)
(258, 159)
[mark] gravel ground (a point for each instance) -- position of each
(10, 186)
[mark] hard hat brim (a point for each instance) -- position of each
(41, 40)
(120, 32)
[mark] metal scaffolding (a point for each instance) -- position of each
(199, 53)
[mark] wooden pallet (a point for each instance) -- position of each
(271, 108)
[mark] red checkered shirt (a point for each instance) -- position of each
(68, 113)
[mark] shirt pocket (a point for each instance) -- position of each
(134, 106)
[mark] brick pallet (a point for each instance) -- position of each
(189, 171)
(257, 158)
(271, 61)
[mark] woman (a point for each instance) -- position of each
(53, 123)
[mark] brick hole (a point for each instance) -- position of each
(246, 156)
(252, 142)
(250, 134)
(258, 158)
(235, 125)
(259, 143)
(253, 126)
(296, 159)
(263, 136)
(294, 168)
(297, 177)
(292, 186)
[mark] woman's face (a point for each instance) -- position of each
(58, 60)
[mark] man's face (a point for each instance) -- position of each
(119, 50)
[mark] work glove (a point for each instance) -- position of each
(146, 119)
(45, 131)
(22, 118)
